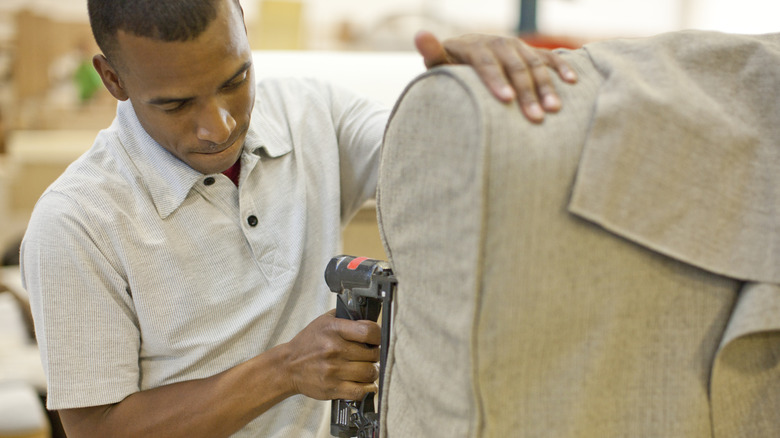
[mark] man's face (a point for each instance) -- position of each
(195, 97)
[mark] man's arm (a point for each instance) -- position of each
(509, 67)
(329, 359)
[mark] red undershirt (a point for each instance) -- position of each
(234, 172)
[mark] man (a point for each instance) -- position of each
(176, 268)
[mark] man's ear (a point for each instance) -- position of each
(110, 77)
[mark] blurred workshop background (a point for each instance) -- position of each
(52, 102)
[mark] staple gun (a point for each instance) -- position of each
(365, 288)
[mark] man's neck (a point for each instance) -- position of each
(234, 171)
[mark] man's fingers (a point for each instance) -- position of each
(431, 49)
(334, 358)
(358, 372)
(563, 68)
(535, 78)
(359, 352)
(358, 380)
(524, 71)
(348, 381)
(489, 69)
(510, 68)
(358, 332)
(353, 391)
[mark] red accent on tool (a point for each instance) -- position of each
(356, 262)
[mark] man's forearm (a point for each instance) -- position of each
(213, 407)
(331, 358)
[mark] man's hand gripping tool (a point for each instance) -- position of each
(363, 285)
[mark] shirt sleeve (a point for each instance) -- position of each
(360, 125)
(85, 322)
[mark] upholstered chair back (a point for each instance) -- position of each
(516, 317)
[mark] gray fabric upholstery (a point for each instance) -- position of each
(516, 317)
(684, 152)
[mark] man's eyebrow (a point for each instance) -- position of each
(180, 100)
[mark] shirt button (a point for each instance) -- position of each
(252, 220)
(209, 181)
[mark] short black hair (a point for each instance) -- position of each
(164, 20)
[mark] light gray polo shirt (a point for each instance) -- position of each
(142, 274)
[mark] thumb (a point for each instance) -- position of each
(431, 49)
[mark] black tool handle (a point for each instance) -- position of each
(363, 286)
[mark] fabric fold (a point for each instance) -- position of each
(684, 152)
(744, 388)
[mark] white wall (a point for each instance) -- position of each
(466, 13)
(743, 16)
(607, 18)
(610, 18)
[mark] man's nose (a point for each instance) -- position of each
(215, 124)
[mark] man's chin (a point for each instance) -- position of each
(210, 163)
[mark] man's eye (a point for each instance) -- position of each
(236, 82)
(174, 107)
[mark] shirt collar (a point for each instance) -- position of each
(168, 179)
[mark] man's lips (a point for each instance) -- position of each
(224, 146)
(218, 151)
